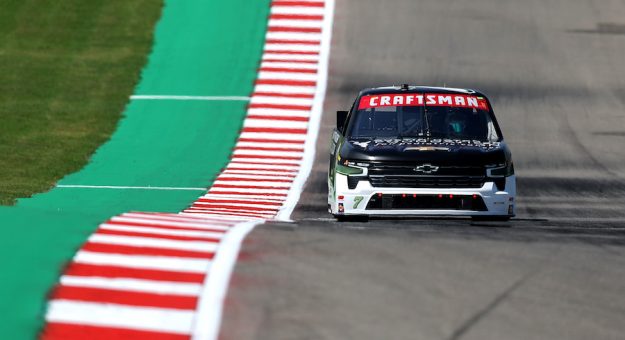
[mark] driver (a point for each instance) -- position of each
(456, 124)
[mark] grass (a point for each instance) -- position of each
(66, 71)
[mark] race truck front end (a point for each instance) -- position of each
(439, 159)
(391, 189)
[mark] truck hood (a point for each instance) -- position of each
(436, 151)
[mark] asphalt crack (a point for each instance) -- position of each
(459, 332)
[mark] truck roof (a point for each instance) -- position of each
(417, 89)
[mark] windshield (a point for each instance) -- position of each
(421, 116)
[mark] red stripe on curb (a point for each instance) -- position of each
(289, 158)
(268, 140)
(194, 210)
(268, 164)
(235, 179)
(83, 269)
(261, 172)
(144, 251)
(286, 118)
(298, 3)
(287, 70)
(123, 297)
(294, 41)
(255, 174)
(235, 210)
(234, 207)
(287, 95)
(275, 130)
(247, 193)
(178, 218)
(102, 231)
(275, 60)
(65, 331)
(172, 227)
(292, 52)
(285, 82)
(295, 17)
(268, 148)
(280, 106)
(208, 200)
(294, 29)
(285, 171)
(235, 186)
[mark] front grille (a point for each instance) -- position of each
(404, 175)
(426, 202)
(427, 181)
(408, 169)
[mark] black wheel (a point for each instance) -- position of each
(352, 218)
(501, 218)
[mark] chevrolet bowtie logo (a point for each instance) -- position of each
(426, 168)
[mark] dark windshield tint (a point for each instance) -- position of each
(412, 122)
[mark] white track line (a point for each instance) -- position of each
(135, 285)
(259, 191)
(167, 223)
(210, 305)
(281, 100)
(267, 184)
(295, 23)
(277, 8)
(253, 175)
(242, 197)
(265, 167)
(270, 123)
(287, 76)
(111, 315)
(277, 163)
(135, 241)
(271, 135)
(240, 206)
(206, 98)
(176, 264)
(282, 64)
(289, 89)
(271, 144)
(160, 231)
(213, 224)
(292, 47)
(80, 186)
(287, 56)
(278, 112)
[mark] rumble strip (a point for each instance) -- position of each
(164, 276)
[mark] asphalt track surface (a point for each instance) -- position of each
(555, 73)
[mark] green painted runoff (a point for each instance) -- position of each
(200, 48)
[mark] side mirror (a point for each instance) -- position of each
(341, 116)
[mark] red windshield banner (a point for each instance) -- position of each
(418, 99)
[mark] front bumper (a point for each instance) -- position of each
(343, 201)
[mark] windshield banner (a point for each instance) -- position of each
(418, 99)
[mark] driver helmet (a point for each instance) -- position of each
(456, 122)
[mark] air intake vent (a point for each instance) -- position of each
(426, 202)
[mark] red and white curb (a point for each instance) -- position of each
(165, 276)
